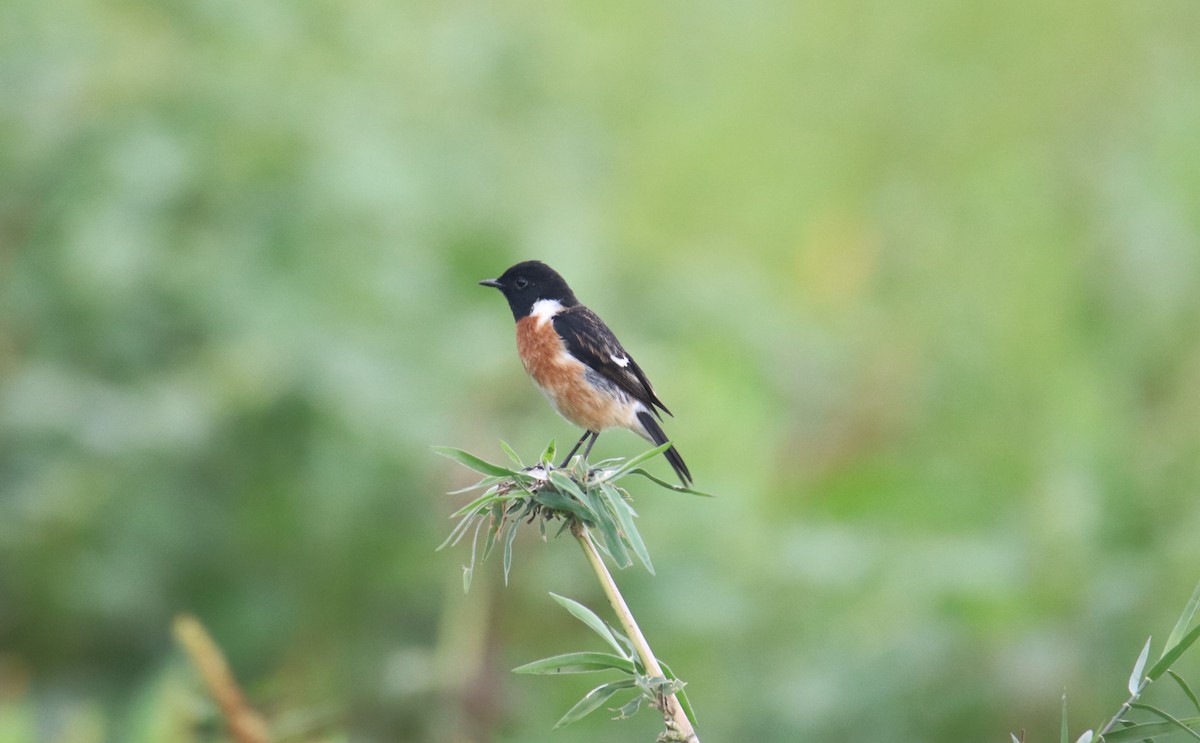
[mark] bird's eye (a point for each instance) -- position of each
(521, 283)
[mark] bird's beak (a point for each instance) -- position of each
(494, 283)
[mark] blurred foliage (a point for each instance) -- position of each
(919, 281)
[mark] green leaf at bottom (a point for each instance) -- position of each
(577, 663)
(593, 700)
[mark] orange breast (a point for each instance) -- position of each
(562, 379)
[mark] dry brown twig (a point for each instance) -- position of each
(246, 725)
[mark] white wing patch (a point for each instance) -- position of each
(621, 361)
(545, 309)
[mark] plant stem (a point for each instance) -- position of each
(1124, 708)
(678, 725)
(245, 724)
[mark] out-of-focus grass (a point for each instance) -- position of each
(917, 280)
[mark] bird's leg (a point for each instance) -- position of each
(575, 448)
(588, 450)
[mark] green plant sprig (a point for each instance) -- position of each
(543, 492)
(1119, 727)
(653, 690)
(586, 500)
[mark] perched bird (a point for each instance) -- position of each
(577, 362)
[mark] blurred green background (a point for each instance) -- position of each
(919, 281)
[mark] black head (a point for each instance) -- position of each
(526, 283)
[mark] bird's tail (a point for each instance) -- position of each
(655, 432)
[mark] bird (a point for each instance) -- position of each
(577, 362)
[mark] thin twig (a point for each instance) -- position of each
(679, 727)
(1112, 723)
(245, 724)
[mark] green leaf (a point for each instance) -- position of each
(1175, 722)
(594, 503)
(607, 527)
(509, 536)
(548, 454)
(1063, 736)
(485, 481)
(1172, 655)
(1186, 689)
(1185, 619)
(494, 523)
(455, 533)
(1135, 678)
(1148, 730)
(567, 486)
(469, 571)
(511, 454)
(556, 501)
(630, 708)
(479, 503)
(619, 472)
(593, 700)
(669, 485)
(628, 649)
(681, 696)
(654, 686)
(624, 515)
(458, 531)
(561, 528)
(470, 460)
(588, 617)
(585, 662)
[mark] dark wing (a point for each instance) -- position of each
(588, 339)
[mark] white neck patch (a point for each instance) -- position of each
(545, 309)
